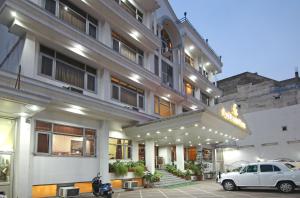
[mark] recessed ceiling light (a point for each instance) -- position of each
(196, 125)
(198, 137)
(191, 145)
(148, 134)
(138, 136)
(216, 132)
(207, 143)
(170, 130)
(182, 127)
(217, 142)
(221, 133)
(194, 107)
(186, 133)
(158, 132)
(135, 78)
(66, 8)
(203, 128)
(207, 140)
(13, 14)
(199, 144)
(225, 135)
(178, 140)
(209, 130)
(226, 140)
(33, 107)
(168, 95)
(166, 137)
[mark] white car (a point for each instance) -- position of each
(262, 174)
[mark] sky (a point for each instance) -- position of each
(260, 36)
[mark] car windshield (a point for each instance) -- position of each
(290, 166)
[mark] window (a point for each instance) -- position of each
(167, 74)
(266, 168)
(131, 9)
(205, 98)
(73, 15)
(163, 108)
(63, 140)
(189, 60)
(252, 169)
(127, 50)
(276, 169)
(156, 65)
(189, 89)
(62, 68)
(120, 149)
(128, 94)
(166, 45)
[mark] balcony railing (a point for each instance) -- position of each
(218, 58)
(131, 9)
(128, 52)
(205, 77)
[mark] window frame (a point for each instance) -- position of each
(171, 105)
(123, 146)
(54, 66)
(51, 133)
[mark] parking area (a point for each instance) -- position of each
(204, 189)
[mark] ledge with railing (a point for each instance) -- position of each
(200, 73)
(218, 58)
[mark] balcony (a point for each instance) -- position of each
(131, 9)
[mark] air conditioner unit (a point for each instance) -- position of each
(68, 191)
(130, 185)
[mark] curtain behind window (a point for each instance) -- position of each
(69, 75)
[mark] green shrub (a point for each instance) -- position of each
(120, 168)
(139, 171)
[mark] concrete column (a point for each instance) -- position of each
(165, 152)
(135, 151)
(103, 151)
(105, 85)
(22, 171)
(150, 155)
(149, 102)
(106, 34)
(28, 58)
(180, 156)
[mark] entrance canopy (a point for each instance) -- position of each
(202, 127)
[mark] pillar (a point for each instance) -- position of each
(105, 85)
(165, 152)
(106, 34)
(180, 156)
(22, 170)
(135, 151)
(103, 151)
(150, 155)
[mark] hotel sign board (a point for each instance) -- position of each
(233, 116)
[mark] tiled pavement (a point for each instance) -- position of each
(206, 189)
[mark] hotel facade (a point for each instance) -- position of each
(85, 83)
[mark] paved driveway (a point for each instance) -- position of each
(206, 189)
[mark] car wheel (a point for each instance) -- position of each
(229, 185)
(286, 187)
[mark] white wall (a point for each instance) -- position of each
(165, 152)
(266, 127)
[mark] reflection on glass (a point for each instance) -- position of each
(4, 168)
(67, 145)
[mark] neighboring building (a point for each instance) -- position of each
(272, 110)
(85, 83)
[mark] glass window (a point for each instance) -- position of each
(47, 66)
(156, 65)
(43, 142)
(266, 168)
(50, 6)
(7, 131)
(119, 149)
(64, 140)
(252, 169)
(92, 30)
(67, 70)
(127, 93)
(167, 74)
(72, 17)
(5, 167)
(189, 89)
(276, 169)
(91, 82)
(163, 108)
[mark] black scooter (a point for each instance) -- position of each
(99, 189)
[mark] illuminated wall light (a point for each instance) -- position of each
(186, 133)
(209, 90)
(182, 127)
(66, 8)
(135, 78)
(178, 140)
(193, 78)
(194, 107)
(134, 34)
(138, 136)
(74, 110)
(165, 98)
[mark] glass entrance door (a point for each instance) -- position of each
(7, 132)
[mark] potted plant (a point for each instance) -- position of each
(147, 177)
(120, 168)
(187, 175)
(139, 171)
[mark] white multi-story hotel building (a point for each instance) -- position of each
(87, 82)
